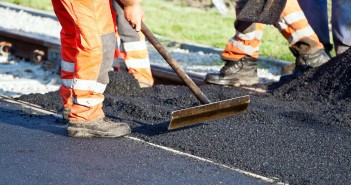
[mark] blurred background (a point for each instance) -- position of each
(207, 22)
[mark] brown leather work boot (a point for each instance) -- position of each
(236, 73)
(99, 128)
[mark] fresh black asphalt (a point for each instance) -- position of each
(35, 149)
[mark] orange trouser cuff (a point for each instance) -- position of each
(83, 114)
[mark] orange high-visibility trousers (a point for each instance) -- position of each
(132, 49)
(88, 45)
(292, 24)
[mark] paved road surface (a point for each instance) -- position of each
(35, 149)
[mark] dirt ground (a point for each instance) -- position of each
(299, 132)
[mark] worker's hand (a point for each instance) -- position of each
(134, 15)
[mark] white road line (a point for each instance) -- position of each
(263, 178)
(266, 179)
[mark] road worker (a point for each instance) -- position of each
(88, 45)
(132, 49)
(242, 50)
(316, 12)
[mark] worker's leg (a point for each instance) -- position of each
(304, 43)
(240, 54)
(246, 41)
(95, 28)
(133, 50)
(68, 55)
(341, 25)
(316, 12)
(247, 38)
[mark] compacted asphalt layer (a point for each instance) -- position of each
(35, 149)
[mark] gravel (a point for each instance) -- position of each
(300, 133)
(200, 63)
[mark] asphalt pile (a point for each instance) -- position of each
(261, 12)
(298, 133)
(330, 82)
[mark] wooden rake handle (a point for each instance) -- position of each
(181, 73)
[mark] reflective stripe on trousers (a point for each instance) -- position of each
(133, 49)
(292, 24)
(88, 43)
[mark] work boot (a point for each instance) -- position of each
(339, 49)
(312, 60)
(65, 114)
(236, 73)
(307, 61)
(99, 128)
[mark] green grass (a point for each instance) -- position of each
(192, 25)
(206, 27)
(38, 4)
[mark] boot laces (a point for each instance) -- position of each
(231, 66)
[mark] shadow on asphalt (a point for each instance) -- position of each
(158, 129)
(144, 128)
(30, 119)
